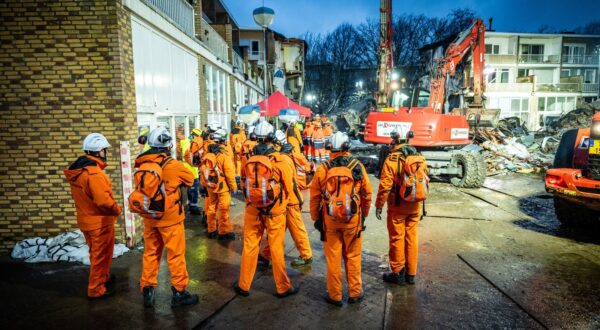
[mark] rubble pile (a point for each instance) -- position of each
(511, 147)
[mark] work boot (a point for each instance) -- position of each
(410, 279)
(357, 299)
(395, 278)
(111, 280)
(212, 234)
(107, 293)
(239, 291)
(148, 296)
(328, 300)
(264, 262)
(227, 237)
(290, 292)
(194, 210)
(183, 298)
(301, 262)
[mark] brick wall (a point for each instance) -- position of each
(67, 70)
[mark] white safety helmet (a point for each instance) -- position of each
(340, 142)
(160, 137)
(214, 126)
(95, 142)
(263, 129)
(220, 135)
(280, 137)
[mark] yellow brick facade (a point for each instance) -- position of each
(67, 70)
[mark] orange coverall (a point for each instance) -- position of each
(318, 140)
(256, 224)
(97, 213)
(341, 240)
(207, 142)
(328, 134)
(236, 140)
(246, 151)
(294, 137)
(308, 148)
(220, 198)
(168, 232)
(293, 218)
(402, 218)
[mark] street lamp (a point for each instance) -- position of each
(263, 17)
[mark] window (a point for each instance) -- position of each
(589, 76)
(504, 74)
(254, 48)
(492, 49)
(565, 73)
(532, 53)
(551, 108)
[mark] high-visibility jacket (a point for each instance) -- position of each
(318, 138)
(91, 189)
(186, 145)
(307, 134)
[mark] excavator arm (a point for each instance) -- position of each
(386, 62)
(470, 41)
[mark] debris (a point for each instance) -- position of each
(69, 246)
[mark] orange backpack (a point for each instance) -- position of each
(211, 176)
(149, 198)
(340, 194)
(194, 155)
(262, 189)
(302, 169)
(413, 179)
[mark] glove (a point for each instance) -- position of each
(378, 213)
(319, 225)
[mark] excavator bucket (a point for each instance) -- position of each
(480, 117)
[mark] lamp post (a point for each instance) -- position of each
(263, 17)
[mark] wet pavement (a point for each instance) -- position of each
(494, 257)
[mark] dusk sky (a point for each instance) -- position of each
(294, 17)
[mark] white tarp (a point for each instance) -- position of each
(69, 246)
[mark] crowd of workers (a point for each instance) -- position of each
(271, 168)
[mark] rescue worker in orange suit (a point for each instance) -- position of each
(247, 147)
(318, 141)
(342, 239)
(402, 218)
(294, 137)
(207, 137)
(168, 232)
(236, 139)
(271, 219)
(328, 134)
(194, 141)
(97, 212)
(220, 197)
(294, 209)
(307, 140)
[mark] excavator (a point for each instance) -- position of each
(574, 178)
(441, 135)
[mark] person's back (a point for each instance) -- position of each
(340, 217)
(168, 231)
(97, 211)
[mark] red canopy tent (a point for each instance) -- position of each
(278, 101)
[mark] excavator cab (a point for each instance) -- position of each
(407, 98)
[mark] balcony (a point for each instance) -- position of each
(213, 40)
(500, 58)
(560, 87)
(238, 63)
(179, 12)
(539, 59)
(509, 87)
(590, 88)
(580, 59)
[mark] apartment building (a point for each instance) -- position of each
(538, 77)
(285, 60)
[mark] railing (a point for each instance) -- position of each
(590, 88)
(580, 59)
(560, 87)
(214, 41)
(501, 58)
(238, 63)
(509, 87)
(180, 12)
(539, 58)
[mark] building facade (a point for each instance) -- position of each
(539, 77)
(117, 67)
